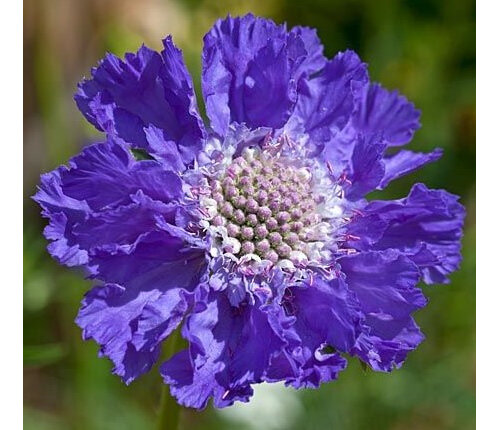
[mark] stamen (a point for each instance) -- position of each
(269, 208)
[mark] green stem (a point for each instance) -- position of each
(170, 410)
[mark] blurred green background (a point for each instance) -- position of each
(425, 48)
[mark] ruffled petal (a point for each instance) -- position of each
(384, 345)
(315, 60)
(384, 282)
(326, 101)
(164, 149)
(326, 320)
(155, 259)
(405, 162)
(378, 110)
(63, 212)
(107, 204)
(124, 224)
(145, 89)
(269, 91)
(363, 231)
(326, 312)
(130, 324)
(159, 318)
(229, 48)
(323, 367)
(105, 175)
(426, 226)
(367, 167)
(251, 68)
(52, 199)
(63, 246)
(385, 286)
(230, 348)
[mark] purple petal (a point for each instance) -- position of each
(315, 60)
(385, 285)
(367, 166)
(427, 226)
(365, 231)
(105, 175)
(326, 316)
(386, 344)
(326, 101)
(251, 68)
(121, 321)
(321, 369)
(63, 212)
(326, 312)
(160, 318)
(164, 149)
(229, 47)
(145, 89)
(384, 282)
(379, 111)
(52, 199)
(269, 91)
(404, 162)
(124, 224)
(155, 260)
(230, 348)
(105, 211)
(63, 246)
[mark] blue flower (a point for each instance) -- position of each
(253, 234)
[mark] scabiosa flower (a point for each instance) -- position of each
(253, 233)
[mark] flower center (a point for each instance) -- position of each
(266, 208)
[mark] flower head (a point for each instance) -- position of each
(253, 233)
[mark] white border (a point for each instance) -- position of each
(11, 115)
(488, 209)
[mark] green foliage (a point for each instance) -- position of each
(140, 154)
(42, 355)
